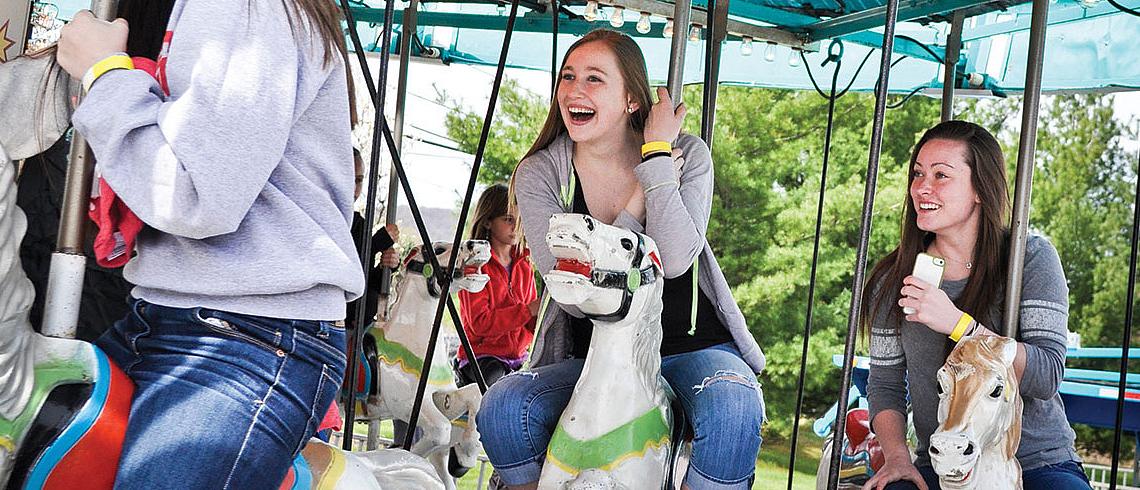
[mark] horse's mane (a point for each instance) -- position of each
(16, 353)
(647, 350)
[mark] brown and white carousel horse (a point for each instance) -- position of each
(979, 417)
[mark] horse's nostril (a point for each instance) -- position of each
(969, 449)
(934, 450)
(589, 224)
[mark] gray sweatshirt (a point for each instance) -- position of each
(243, 173)
(906, 357)
(676, 217)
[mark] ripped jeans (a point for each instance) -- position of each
(724, 408)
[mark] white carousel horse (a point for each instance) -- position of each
(616, 431)
(448, 421)
(63, 404)
(979, 417)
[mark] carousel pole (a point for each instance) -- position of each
(950, 70)
(1126, 342)
(681, 14)
(1025, 149)
(553, 47)
(68, 262)
(864, 237)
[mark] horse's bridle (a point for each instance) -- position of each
(628, 281)
(425, 268)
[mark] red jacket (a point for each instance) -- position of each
(497, 319)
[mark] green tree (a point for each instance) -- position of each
(518, 117)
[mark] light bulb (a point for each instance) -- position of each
(770, 52)
(591, 13)
(643, 23)
(502, 9)
(746, 46)
(1088, 4)
(617, 18)
(695, 33)
(668, 30)
(794, 58)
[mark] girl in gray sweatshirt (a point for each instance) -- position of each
(237, 157)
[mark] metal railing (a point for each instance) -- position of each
(1100, 477)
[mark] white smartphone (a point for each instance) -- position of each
(928, 268)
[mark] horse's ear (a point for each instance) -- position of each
(1008, 350)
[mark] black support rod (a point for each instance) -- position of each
(377, 94)
(1026, 147)
(864, 235)
(445, 284)
(1126, 340)
(714, 41)
(950, 70)
(841, 411)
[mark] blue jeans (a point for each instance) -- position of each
(1069, 475)
(721, 398)
(221, 400)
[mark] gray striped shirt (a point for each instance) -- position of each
(906, 355)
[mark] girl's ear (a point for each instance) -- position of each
(631, 106)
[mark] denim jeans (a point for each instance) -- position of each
(221, 400)
(1068, 475)
(721, 398)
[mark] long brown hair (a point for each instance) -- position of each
(635, 79)
(987, 274)
(492, 204)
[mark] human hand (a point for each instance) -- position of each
(930, 304)
(393, 231)
(534, 306)
(86, 40)
(390, 259)
(895, 470)
(664, 122)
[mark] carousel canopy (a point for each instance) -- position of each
(1092, 45)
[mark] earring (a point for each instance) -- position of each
(630, 109)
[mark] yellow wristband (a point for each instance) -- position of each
(101, 67)
(960, 328)
(656, 146)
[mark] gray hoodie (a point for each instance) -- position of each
(676, 217)
(243, 173)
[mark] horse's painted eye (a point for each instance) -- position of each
(438, 250)
(996, 392)
(627, 243)
(589, 224)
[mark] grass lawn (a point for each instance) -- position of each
(771, 465)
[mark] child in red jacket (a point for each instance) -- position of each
(499, 319)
